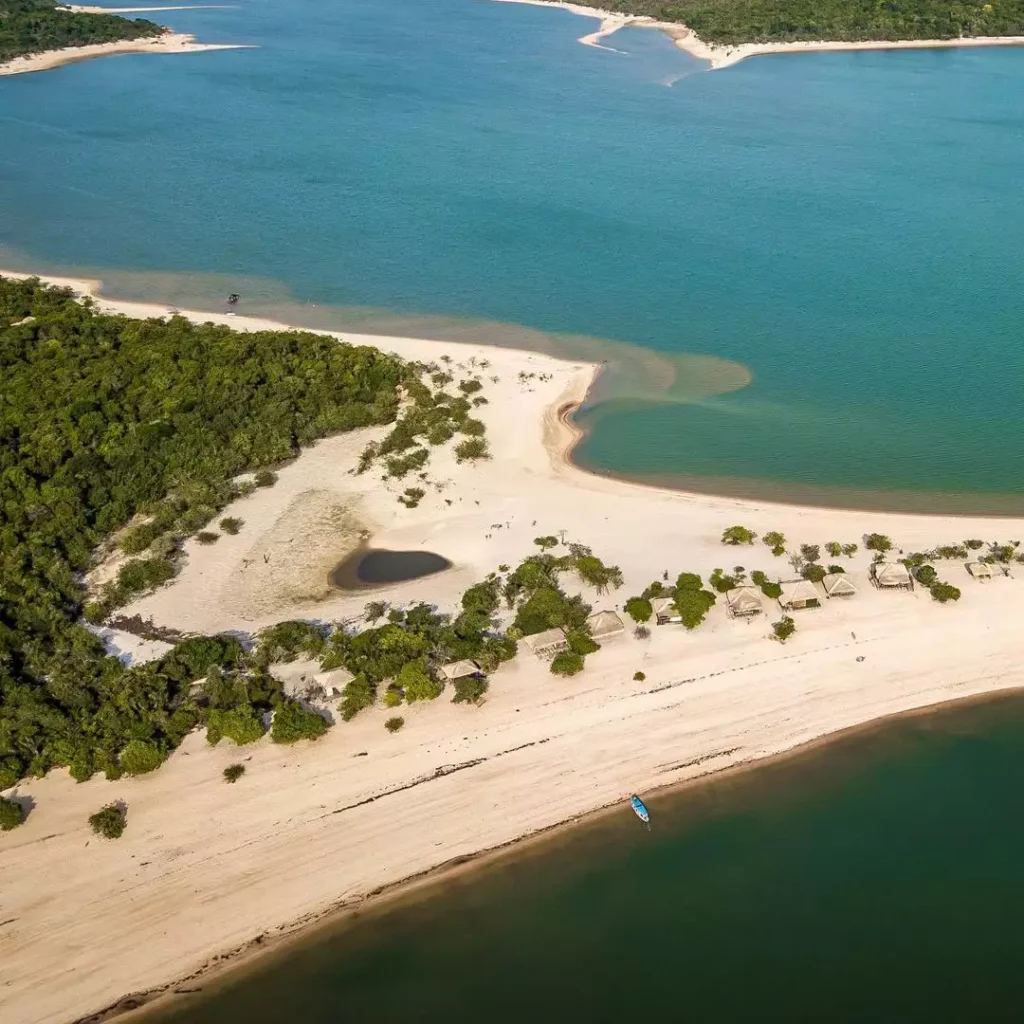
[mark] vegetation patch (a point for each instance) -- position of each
(109, 822)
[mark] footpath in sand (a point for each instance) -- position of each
(204, 868)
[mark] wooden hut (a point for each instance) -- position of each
(744, 602)
(545, 644)
(799, 594)
(605, 626)
(664, 609)
(460, 670)
(838, 584)
(891, 576)
(985, 571)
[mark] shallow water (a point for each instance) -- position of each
(377, 567)
(873, 879)
(845, 226)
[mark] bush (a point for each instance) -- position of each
(639, 609)
(394, 724)
(738, 535)
(926, 574)
(416, 683)
(567, 663)
(231, 525)
(472, 449)
(581, 642)
(693, 606)
(141, 756)
(878, 542)
(393, 697)
(11, 814)
(783, 629)
(109, 821)
(811, 552)
(469, 387)
(722, 583)
(943, 592)
(234, 772)
(836, 568)
(639, 677)
(292, 722)
(412, 496)
(469, 689)
(207, 537)
(472, 428)
(285, 641)
(241, 725)
(138, 538)
(814, 572)
(849, 550)
(834, 548)
(141, 574)
(974, 544)
(265, 478)
(776, 541)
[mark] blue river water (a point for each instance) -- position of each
(846, 226)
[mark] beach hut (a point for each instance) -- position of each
(605, 626)
(799, 594)
(300, 681)
(664, 609)
(460, 670)
(891, 576)
(545, 644)
(744, 601)
(838, 584)
(985, 571)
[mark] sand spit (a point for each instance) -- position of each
(205, 868)
(721, 56)
(169, 42)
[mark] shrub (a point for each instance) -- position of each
(393, 697)
(639, 609)
(234, 772)
(849, 550)
(141, 756)
(783, 629)
(836, 568)
(926, 574)
(231, 525)
(544, 543)
(834, 548)
(722, 583)
(265, 478)
(411, 496)
(141, 574)
(472, 449)
(470, 387)
(974, 544)
(472, 428)
(581, 642)
(109, 821)
(416, 683)
(469, 689)
(776, 541)
(738, 535)
(399, 466)
(567, 663)
(241, 725)
(639, 677)
(138, 538)
(292, 722)
(394, 724)
(943, 592)
(878, 542)
(207, 537)
(642, 633)
(359, 693)
(439, 433)
(814, 572)
(11, 814)
(810, 551)
(693, 606)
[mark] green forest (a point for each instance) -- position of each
(760, 21)
(31, 26)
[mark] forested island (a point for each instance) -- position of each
(35, 26)
(730, 22)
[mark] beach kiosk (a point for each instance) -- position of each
(891, 576)
(460, 670)
(799, 594)
(548, 643)
(985, 571)
(664, 609)
(744, 602)
(838, 584)
(605, 626)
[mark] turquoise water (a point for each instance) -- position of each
(847, 226)
(874, 880)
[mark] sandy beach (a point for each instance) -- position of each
(170, 42)
(722, 56)
(205, 868)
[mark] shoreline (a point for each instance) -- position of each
(205, 869)
(235, 964)
(721, 55)
(169, 42)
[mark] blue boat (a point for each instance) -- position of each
(640, 809)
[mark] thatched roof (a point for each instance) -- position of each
(297, 680)
(604, 625)
(797, 592)
(664, 608)
(548, 642)
(460, 669)
(892, 574)
(985, 570)
(838, 584)
(744, 600)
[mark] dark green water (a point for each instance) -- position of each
(874, 879)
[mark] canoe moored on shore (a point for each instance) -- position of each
(640, 809)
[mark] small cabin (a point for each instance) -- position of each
(460, 670)
(744, 602)
(548, 643)
(838, 584)
(985, 571)
(799, 594)
(665, 610)
(605, 626)
(891, 576)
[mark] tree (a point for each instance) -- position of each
(241, 725)
(974, 544)
(811, 552)
(416, 682)
(469, 689)
(738, 535)
(566, 663)
(109, 821)
(544, 543)
(141, 756)
(722, 583)
(878, 542)
(11, 814)
(926, 574)
(693, 606)
(285, 641)
(834, 548)
(849, 550)
(638, 609)
(814, 572)
(234, 772)
(292, 722)
(394, 724)
(581, 642)
(783, 629)
(776, 541)
(943, 592)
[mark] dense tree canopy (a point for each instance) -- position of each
(30, 26)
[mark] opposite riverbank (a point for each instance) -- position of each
(205, 869)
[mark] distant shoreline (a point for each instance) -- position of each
(721, 56)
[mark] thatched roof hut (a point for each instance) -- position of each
(460, 669)
(985, 570)
(605, 626)
(838, 584)
(299, 681)
(744, 601)
(551, 641)
(799, 594)
(664, 609)
(891, 575)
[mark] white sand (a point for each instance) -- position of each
(169, 42)
(720, 56)
(204, 867)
